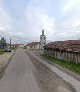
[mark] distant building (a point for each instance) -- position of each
(21, 45)
(33, 46)
(17, 45)
(37, 45)
(42, 39)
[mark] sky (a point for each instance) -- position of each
(23, 20)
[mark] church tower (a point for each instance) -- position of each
(42, 39)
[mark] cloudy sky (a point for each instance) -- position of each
(23, 20)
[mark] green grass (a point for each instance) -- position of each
(1, 51)
(66, 64)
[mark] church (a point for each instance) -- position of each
(42, 39)
(37, 45)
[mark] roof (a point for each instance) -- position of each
(62, 45)
(53, 44)
(33, 43)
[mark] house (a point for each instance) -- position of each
(21, 45)
(16, 45)
(66, 50)
(33, 45)
(13, 45)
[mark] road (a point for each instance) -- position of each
(19, 76)
(26, 74)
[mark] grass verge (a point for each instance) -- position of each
(66, 64)
(1, 51)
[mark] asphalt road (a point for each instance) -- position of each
(18, 76)
(26, 74)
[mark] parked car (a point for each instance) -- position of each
(7, 50)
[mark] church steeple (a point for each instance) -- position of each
(42, 39)
(43, 32)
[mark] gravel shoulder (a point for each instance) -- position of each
(47, 80)
(4, 61)
(74, 75)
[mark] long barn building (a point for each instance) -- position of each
(65, 50)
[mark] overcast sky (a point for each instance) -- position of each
(25, 19)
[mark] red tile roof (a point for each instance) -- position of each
(62, 45)
(33, 43)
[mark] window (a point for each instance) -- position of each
(44, 38)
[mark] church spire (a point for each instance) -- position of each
(42, 39)
(43, 32)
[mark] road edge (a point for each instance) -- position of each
(3, 68)
(75, 83)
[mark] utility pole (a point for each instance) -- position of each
(10, 42)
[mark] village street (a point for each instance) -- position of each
(26, 74)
